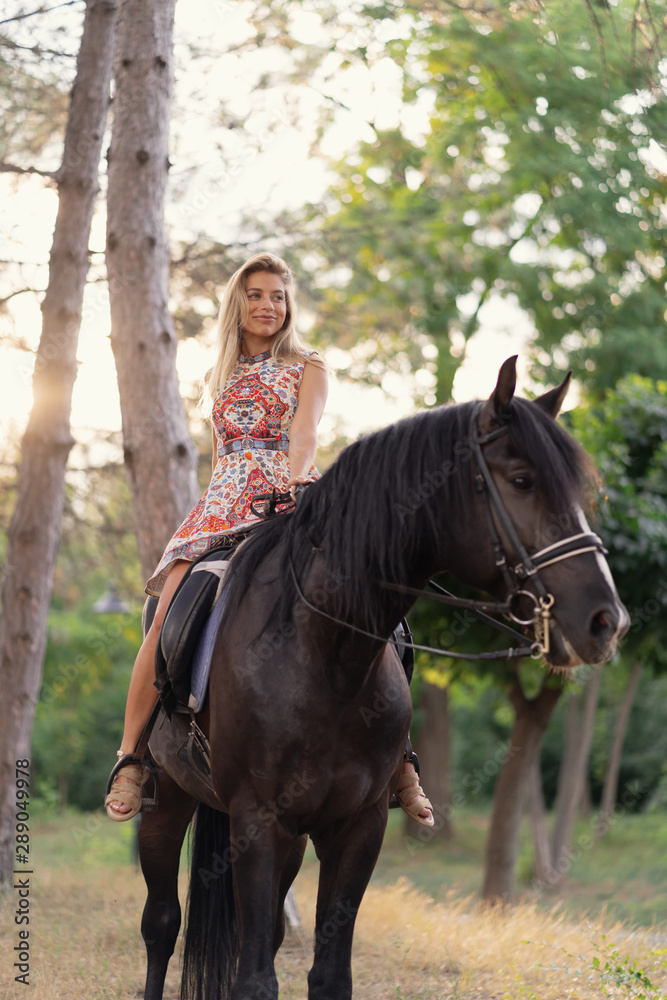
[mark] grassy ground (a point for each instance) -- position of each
(425, 938)
(623, 874)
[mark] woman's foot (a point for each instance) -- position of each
(411, 796)
(124, 800)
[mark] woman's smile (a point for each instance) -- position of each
(267, 310)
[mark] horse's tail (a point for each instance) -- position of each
(211, 936)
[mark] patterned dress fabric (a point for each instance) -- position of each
(252, 418)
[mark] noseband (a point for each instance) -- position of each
(529, 564)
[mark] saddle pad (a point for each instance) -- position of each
(201, 664)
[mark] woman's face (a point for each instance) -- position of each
(267, 304)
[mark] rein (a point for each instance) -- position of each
(528, 567)
(528, 648)
(273, 504)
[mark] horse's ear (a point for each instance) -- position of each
(495, 410)
(552, 400)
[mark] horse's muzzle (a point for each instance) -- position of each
(597, 643)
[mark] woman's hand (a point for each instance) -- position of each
(296, 481)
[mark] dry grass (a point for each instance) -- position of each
(85, 945)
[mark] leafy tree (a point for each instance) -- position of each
(627, 432)
(80, 709)
(536, 182)
(37, 68)
(79, 715)
(644, 749)
(35, 526)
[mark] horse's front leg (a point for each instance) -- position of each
(161, 836)
(260, 854)
(289, 873)
(347, 859)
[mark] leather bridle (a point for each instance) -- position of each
(530, 564)
(515, 574)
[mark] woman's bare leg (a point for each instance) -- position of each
(141, 696)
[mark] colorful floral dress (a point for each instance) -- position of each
(252, 418)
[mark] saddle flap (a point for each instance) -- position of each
(184, 620)
(183, 625)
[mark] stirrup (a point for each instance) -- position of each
(412, 785)
(409, 757)
(148, 802)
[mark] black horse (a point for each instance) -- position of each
(309, 709)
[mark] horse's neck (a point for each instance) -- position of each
(383, 606)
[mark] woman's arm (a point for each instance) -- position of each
(303, 430)
(214, 456)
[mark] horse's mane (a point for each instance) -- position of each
(389, 491)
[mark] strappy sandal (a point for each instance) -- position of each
(125, 790)
(412, 799)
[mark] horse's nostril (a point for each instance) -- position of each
(602, 622)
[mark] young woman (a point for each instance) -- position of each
(267, 397)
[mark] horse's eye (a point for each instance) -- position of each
(523, 483)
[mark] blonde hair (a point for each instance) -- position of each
(286, 345)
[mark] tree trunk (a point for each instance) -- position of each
(434, 743)
(586, 801)
(538, 825)
(572, 738)
(610, 789)
(571, 782)
(159, 454)
(34, 532)
(532, 717)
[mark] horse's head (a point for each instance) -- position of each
(531, 477)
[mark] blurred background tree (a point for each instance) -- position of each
(538, 180)
(520, 190)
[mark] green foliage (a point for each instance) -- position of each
(98, 544)
(620, 876)
(481, 720)
(79, 716)
(39, 104)
(645, 745)
(36, 71)
(626, 432)
(535, 182)
(618, 975)
(658, 803)
(644, 748)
